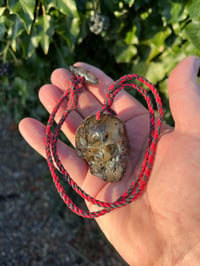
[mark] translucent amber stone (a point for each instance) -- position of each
(104, 144)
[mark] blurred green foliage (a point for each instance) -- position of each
(129, 36)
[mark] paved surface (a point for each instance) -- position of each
(35, 226)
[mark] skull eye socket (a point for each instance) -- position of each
(105, 137)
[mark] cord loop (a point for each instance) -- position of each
(51, 138)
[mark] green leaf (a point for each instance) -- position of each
(140, 68)
(30, 42)
(15, 31)
(131, 36)
(28, 6)
(163, 87)
(45, 30)
(129, 2)
(67, 7)
(69, 30)
(157, 43)
(173, 11)
(177, 13)
(2, 27)
(156, 72)
(24, 9)
(194, 10)
(151, 23)
(124, 53)
(2, 9)
(33, 43)
(193, 33)
(190, 49)
(73, 31)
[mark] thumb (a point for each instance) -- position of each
(184, 95)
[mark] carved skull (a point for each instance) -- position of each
(104, 144)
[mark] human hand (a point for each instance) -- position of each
(162, 226)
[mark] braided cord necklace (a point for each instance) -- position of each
(51, 138)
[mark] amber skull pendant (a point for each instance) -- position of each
(104, 145)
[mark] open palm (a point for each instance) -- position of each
(161, 227)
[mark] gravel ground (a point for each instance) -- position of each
(36, 228)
